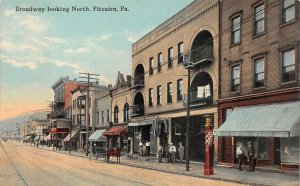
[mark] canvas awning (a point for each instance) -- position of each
(72, 136)
(117, 131)
(142, 123)
(97, 136)
(273, 120)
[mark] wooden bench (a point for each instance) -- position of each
(113, 152)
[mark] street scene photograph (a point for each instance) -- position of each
(149, 92)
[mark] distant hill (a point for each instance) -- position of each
(11, 123)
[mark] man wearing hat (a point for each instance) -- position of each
(251, 154)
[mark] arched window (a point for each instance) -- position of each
(116, 114)
(126, 112)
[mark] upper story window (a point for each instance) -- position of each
(150, 97)
(170, 92)
(235, 78)
(151, 66)
(236, 29)
(259, 19)
(288, 11)
(288, 66)
(98, 117)
(107, 115)
(159, 95)
(116, 114)
(179, 89)
(180, 52)
(74, 103)
(102, 117)
(259, 73)
(170, 57)
(126, 113)
(159, 62)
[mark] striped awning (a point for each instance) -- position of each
(272, 120)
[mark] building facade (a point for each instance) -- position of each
(160, 79)
(259, 71)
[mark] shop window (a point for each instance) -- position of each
(263, 149)
(290, 150)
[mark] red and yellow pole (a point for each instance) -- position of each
(209, 146)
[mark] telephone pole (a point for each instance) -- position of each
(89, 79)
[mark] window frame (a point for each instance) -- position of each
(102, 117)
(151, 62)
(126, 112)
(169, 92)
(282, 63)
(170, 57)
(159, 62)
(159, 94)
(255, 60)
(178, 90)
(180, 53)
(116, 114)
(231, 77)
(150, 97)
(254, 32)
(231, 18)
(283, 22)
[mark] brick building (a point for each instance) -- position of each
(160, 79)
(259, 84)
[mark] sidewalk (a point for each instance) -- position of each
(258, 177)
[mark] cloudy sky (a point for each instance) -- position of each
(37, 48)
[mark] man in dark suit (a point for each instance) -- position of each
(251, 154)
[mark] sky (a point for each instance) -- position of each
(37, 48)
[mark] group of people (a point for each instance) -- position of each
(243, 158)
(144, 148)
(170, 152)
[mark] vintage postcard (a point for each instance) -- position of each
(149, 92)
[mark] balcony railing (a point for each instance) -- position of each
(137, 110)
(201, 53)
(138, 82)
(197, 100)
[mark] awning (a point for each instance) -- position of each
(142, 123)
(273, 120)
(59, 130)
(117, 131)
(98, 136)
(72, 136)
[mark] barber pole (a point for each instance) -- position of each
(209, 146)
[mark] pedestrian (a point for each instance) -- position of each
(181, 151)
(173, 153)
(240, 154)
(251, 154)
(168, 155)
(141, 148)
(160, 153)
(147, 148)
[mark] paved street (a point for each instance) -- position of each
(24, 165)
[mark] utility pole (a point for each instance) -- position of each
(88, 78)
(51, 118)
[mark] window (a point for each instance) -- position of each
(170, 92)
(150, 97)
(289, 11)
(235, 78)
(126, 112)
(78, 120)
(236, 29)
(179, 89)
(288, 66)
(159, 63)
(259, 19)
(180, 53)
(159, 95)
(107, 115)
(74, 103)
(151, 66)
(102, 117)
(116, 114)
(98, 117)
(170, 57)
(204, 91)
(259, 73)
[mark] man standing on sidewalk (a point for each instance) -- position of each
(240, 154)
(251, 154)
(173, 153)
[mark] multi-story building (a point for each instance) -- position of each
(160, 79)
(259, 70)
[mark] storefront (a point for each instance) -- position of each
(273, 129)
(70, 140)
(98, 141)
(117, 137)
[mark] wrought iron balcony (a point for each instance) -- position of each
(137, 110)
(200, 56)
(197, 100)
(138, 82)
